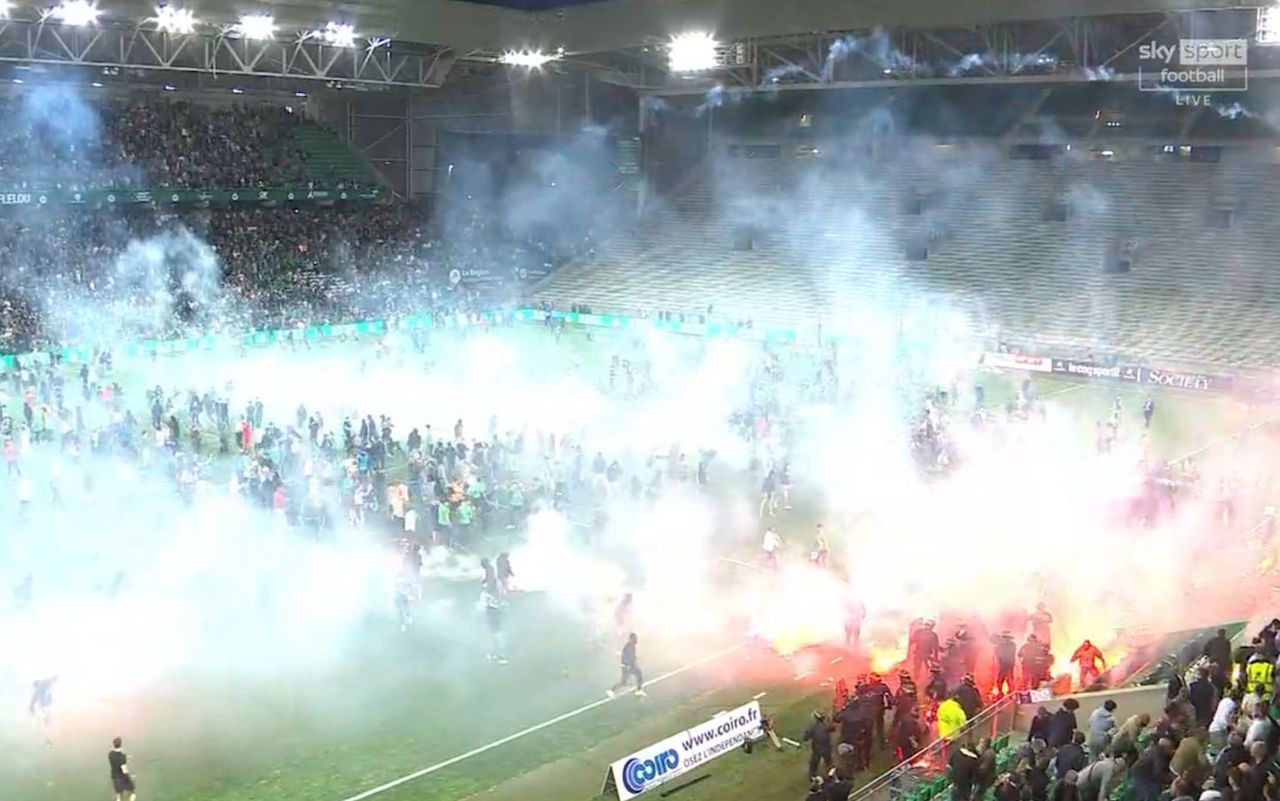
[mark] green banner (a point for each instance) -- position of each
(187, 197)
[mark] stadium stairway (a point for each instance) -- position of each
(329, 160)
(1196, 293)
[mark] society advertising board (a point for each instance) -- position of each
(1148, 376)
(651, 767)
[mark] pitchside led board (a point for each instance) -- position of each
(654, 766)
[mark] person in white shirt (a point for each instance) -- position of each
(772, 542)
(1259, 728)
(411, 521)
(1224, 719)
(1248, 704)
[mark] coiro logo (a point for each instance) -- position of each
(637, 773)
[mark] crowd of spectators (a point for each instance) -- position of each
(58, 141)
(1217, 739)
(83, 273)
(236, 270)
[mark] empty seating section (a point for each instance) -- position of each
(835, 238)
(329, 160)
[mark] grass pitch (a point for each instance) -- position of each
(402, 703)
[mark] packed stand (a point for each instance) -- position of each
(144, 274)
(1216, 739)
(57, 141)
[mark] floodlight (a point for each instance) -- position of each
(77, 13)
(170, 19)
(338, 34)
(533, 59)
(1268, 25)
(692, 52)
(256, 26)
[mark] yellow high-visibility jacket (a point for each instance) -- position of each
(1258, 674)
(951, 718)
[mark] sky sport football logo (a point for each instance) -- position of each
(637, 773)
(1194, 68)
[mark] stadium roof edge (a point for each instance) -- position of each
(618, 24)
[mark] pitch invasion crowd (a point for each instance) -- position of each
(453, 483)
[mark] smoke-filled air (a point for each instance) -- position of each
(288, 471)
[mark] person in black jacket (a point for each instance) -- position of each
(968, 697)
(1218, 649)
(1037, 778)
(881, 701)
(908, 734)
(1071, 757)
(1151, 772)
(818, 735)
(1062, 724)
(1066, 788)
(1040, 726)
(1006, 652)
(1268, 638)
(963, 764)
(839, 788)
(1203, 697)
(1233, 754)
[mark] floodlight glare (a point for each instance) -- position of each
(170, 19)
(533, 59)
(256, 26)
(692, 52)
(339, 34)
(5, 5)
(78, 13)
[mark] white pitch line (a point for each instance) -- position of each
(418, 774)
(837, 660)
(737, 562)
(758, 696)
(804, 675)
(1063, 391)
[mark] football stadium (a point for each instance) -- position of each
(510, 400)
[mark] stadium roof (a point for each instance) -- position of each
(593, 26)
(532, 5)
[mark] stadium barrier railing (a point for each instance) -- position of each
(923, 775)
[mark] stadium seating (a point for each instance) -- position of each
(1194, 292)
(329, 162)
(279, 264)
(58, 139)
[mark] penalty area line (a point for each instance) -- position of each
(418, 774)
